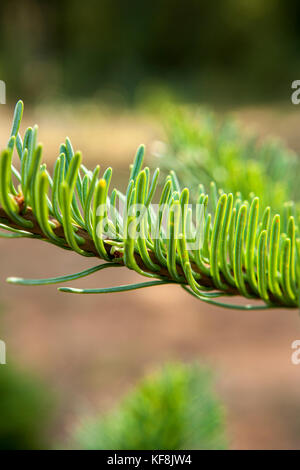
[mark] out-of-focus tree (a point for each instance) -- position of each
(26, 411)
(174, 408)
(230, 49)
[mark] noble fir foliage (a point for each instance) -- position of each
(231, 247)
(173, 408)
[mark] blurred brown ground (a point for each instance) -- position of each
(91, 349)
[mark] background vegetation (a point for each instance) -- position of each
(229, 50)
(26, 411)
(173, 408)
(201, 146)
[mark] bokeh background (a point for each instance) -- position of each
(103, 73)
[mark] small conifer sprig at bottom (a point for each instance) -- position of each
(232, 247)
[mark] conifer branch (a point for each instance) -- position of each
(228, 246)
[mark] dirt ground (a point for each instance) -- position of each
(91, 349)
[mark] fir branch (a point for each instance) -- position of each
(232, 247)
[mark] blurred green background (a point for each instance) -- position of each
(112, 75)
(222, 51)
